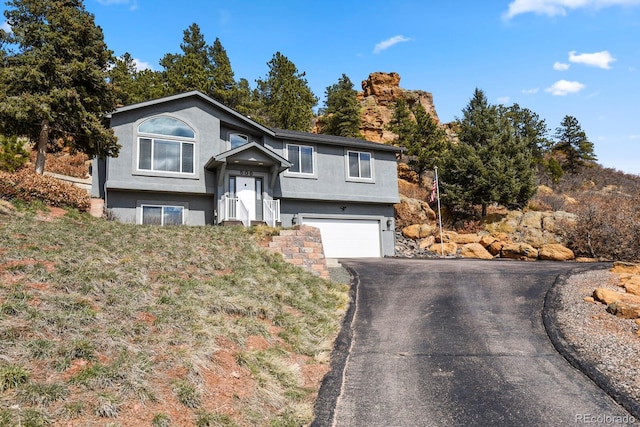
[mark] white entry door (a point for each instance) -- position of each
(246, 193)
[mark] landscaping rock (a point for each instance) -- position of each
(624, 310)
(475, 250)
(555, 252)
(519, 251)
(609, 296)
(463, 239)
(418, 231)
(449, 248)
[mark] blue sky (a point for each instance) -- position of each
(555, 57)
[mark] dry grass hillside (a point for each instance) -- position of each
(106, 324)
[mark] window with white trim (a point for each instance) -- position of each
(302, 159)
(359, 165)
(162, 215)
(166, 144)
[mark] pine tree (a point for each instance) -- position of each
(402, 124)
(285, 97)
(53, 79)
(342, 112)
(192, 69)
(492, 163)
(132, 85)
(573, 144)
(428, 143)
(224, 87)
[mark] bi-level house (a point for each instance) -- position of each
(188, 159)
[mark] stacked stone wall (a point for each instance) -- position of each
(302, 246)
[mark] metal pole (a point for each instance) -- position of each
(439, 213)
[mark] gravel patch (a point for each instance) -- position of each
(605, 347)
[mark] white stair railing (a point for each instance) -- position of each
(243, 213)
(227, 206)
(271, 212)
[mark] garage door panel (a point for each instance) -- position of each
(348, 238)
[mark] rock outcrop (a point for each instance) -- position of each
(380, 92)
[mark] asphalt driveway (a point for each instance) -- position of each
(455, 342)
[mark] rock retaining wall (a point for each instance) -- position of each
(302, 246)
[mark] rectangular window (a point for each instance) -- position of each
(162, 215)
(359, 164)
(166, 156)
(302, 158)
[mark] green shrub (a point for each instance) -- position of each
(12, 153)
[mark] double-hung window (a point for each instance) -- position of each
(359, 165)
(302, 159)
(166, 144)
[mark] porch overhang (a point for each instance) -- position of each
(251, 154)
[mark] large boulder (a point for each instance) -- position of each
(532, 219)
(609, 296)
(418, 231)
(449, 248)
(413, 211)
(475, 250)
(555, 252)
(558, 221)
(464, 238)
(520, 251)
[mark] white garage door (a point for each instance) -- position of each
(348, 238)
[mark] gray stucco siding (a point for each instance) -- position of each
(123, 172)
(331, 182)
(126, 205)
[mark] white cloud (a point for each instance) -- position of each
(133, 4)
(530, 91)
(597, 59)
(504, 100)
(564, 87)
(5, 26)
(141, 65)
(560, 7)
(386, 44)
(561, 66)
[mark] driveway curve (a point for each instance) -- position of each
(455, 342)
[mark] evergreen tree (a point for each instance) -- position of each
(492, 163)
(12, 153)
(402, 124)
(572, 143)
(192, 69)
(428, 143)
(122, 79)
(131, 85)
(342, 112)
(529, 128)
(53, 80)
(224, 87)
(285, 97)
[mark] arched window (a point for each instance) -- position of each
(166, 144)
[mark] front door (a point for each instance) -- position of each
(246, 193)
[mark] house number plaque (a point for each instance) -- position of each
(246, 173)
